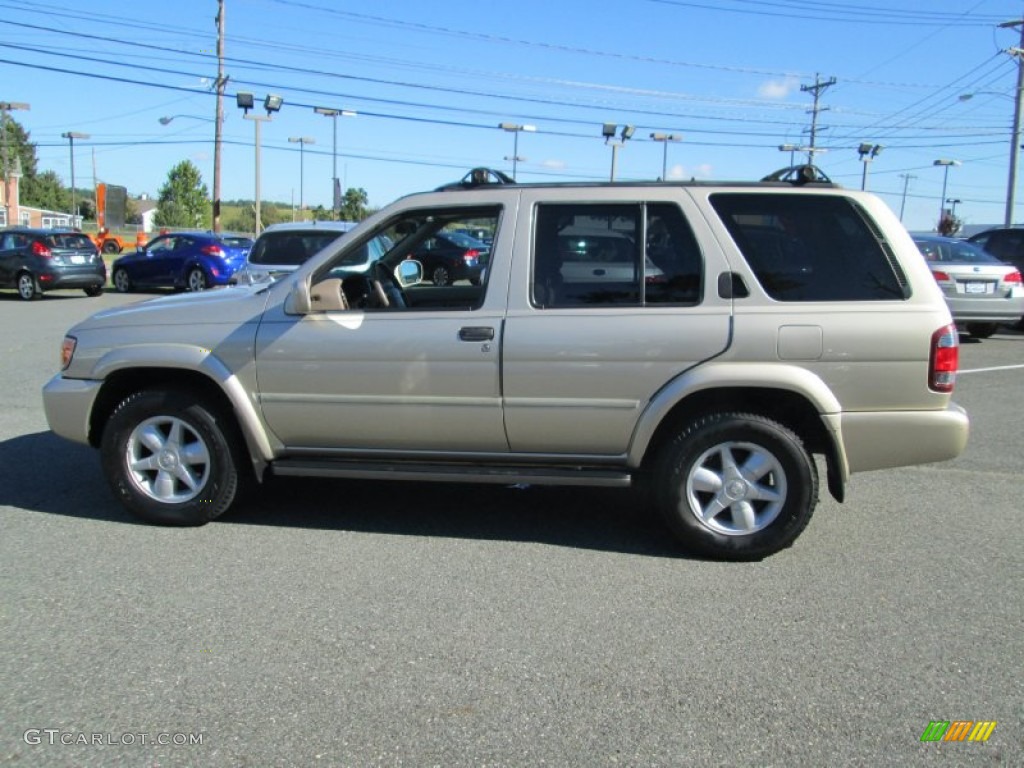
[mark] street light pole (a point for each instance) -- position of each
(302, 141)
(867, 152)
(5, 107)
(1018, 102)
(906, 183)
(514, 129)
(608, 131)
(335, 186)
(945, 178)
(665, 138)
(71, 136)
(271, 103)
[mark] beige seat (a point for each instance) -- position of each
(328, 296)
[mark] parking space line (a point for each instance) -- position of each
(993, 368)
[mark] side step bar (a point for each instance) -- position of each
(452, 472)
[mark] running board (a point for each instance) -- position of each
(452, 473)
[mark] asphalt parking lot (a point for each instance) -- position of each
(359, 624)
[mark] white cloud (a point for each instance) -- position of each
(555, 165)
(778, 89)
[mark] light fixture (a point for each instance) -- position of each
(665, 138)
(515, 128)
(245, 100)
(272, 103)
(608, 132)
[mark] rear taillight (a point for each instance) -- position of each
(471, 256)
(945, 359)
(38, 249)
(941, 276)
(212, 250)
(1013, 277)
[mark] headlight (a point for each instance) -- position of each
(67, 351)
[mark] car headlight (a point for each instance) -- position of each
(67, 351)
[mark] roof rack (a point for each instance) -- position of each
(478, 177)
(799, 175)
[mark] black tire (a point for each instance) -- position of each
(171, 458)
(28, 287)
(110, 246)
(441, 276)
(751, 477)
(982, 330)
(96, 290)
(122, 283)
(195, 280)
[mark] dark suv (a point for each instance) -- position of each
(1006, 244)
(37, 260)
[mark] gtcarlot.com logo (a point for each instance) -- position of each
(52, 736)
(958, 730)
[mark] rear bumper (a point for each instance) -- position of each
(881, 440)
(986, 310)
(93, 278)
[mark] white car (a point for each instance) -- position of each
(282, 248)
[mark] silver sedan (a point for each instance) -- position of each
(981, 290)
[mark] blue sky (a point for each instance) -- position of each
(431, 81)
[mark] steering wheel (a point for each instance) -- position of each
(386, 288)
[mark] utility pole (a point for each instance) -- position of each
(1011, 184)
(906, 182)
(219, 122)
(817, 89)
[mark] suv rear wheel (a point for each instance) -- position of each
(168, 458)
(736, 486)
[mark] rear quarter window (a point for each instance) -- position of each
(812, 247)
(70, 241)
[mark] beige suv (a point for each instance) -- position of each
(701, 340)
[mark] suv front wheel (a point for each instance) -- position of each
(736, 486)
(168, 458)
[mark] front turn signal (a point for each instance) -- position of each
(67, 351)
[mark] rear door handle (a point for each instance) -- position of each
(476, 333)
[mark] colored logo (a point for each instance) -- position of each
(958, 730)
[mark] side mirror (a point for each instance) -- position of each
(409, 272)
(298, 302)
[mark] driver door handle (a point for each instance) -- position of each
(476, 333)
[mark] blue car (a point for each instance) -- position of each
(193, 261)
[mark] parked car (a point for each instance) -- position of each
(193, 261)
(282, 248)
(1006, 244)
(450, 255)
(981, 290)
(827, 343)
(33, 261)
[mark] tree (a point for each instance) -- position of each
(184, 200)
(47, 192)
(353, 204)
(20, 151)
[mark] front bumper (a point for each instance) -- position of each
(68, 405)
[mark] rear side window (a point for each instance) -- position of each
(69, 241)
(812, 247)
(591, 254)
